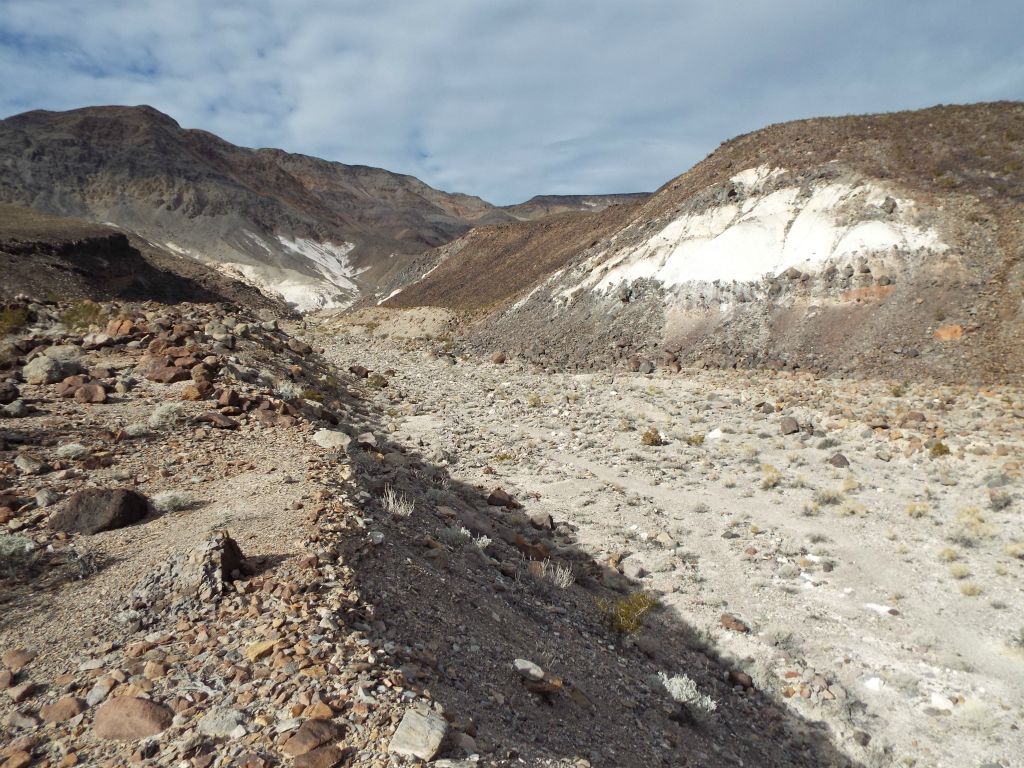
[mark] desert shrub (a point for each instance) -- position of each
(626, 615)
(939, 449)
(172, 501)
(533, 400)
(971, 589)
(13, 319)
(312, 394)
(683, 690)
(770, 476)
(651, 437)
(917, 509)
(83, 314)
(397, 504)
(560, 576)
(828, 496)
(971, 528)
(696, 439)
(455, 537)
(376, 380)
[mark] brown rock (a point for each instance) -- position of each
(19, 693)
(120, 328)
(6, 678)
(218, 420)
(228, 398)
(19, 759)
(740, 678)
(312, 734)
(62, 709)
(501, 498)
(324, 757)
(733, 624)
(17, 659)
(99, 509)
(498, 358)
(359, 371)
(789, 425)
(70, 385)
(949, 333)
(91, 393)
(167, 375)
(128, 719)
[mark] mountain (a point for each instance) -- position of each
(314, 232)
(889, 244)
(539, 206)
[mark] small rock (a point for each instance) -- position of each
(222, 723)
(733, 624)
(840, 461)
(91, 393)
(501, 498)
(789, 425)
(311, 735)
(419, 734)
(332, 439)
(17, 659)
(498, 358)
(528, 670)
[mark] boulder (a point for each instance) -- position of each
(332, 439)
(91, 393)
(43, 370)
(311, 735)
(789, 425)
(93, 510)
(498, 358)
(127, 718)
(62, 709)
(8, 392)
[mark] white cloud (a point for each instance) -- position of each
(506, 99)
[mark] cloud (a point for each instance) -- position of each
(506, 99)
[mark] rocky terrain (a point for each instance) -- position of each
(883, 244)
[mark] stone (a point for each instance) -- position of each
(311, 735)
(258, 650)
(498, 358)
(127, 718)
(30, 464)
(331, 439)
(15, 410)
(527, 669)
(100, 690)
(218, 420)
(789, 425)
(18, 759)
(949, 333)
(17, 659)
(542, 521)
(91, 393)
(167, 374)
(733, 624)
(299, 347)
(420, 734)
(222, 724)
(323, 757)
(359, 371)
(6, 678)
(632, 568)
(736, 677)
(43, 370)
(646, 367)
(8, 392)
(501, 498)
(840, 461)
(19, 693)
(93, 510)
(62, 709)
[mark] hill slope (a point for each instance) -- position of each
(888, 244)
(313, 231)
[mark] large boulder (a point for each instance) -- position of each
(99, 509)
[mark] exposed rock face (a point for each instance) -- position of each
(310, 230)
(837, 245)
(100, 509)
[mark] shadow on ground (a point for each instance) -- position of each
(465, 613)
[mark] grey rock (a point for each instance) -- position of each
(528, 670)
(332, 439)
(43, 370)
(419, 734)
(223, 723)
(100, 509)
(30, 464)
(15, 410)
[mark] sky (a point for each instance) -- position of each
(507, 99)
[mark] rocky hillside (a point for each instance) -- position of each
(64, 258)
(311, 231)
(882, 244)
(539, 206)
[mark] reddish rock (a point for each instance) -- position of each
(218, 420)
(128, 719)
(229, 398)
(70, 385)
(62, 709)
(312, 734)
(91, 393)
(120, 327)
(501, 498)
(732, 623)
(17, 659)
(18, 759)
(498, 358)
(167, 375)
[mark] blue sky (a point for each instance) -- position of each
(507, 99)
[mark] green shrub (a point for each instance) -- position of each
(938, 449)
(13, 319)
(626, 615)
(83, 314)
